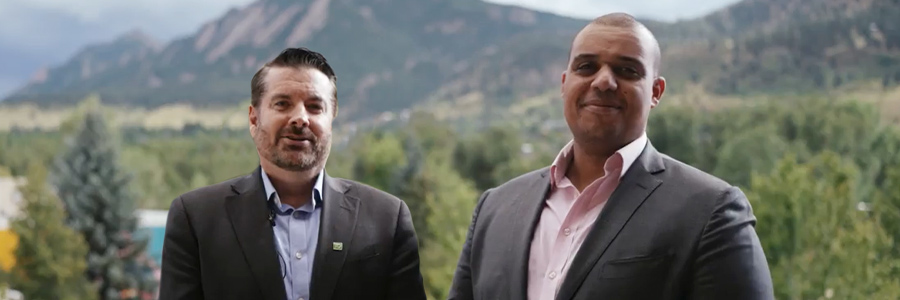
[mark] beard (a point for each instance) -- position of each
(291, 157)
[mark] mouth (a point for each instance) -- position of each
(298, 140)
(601, 107)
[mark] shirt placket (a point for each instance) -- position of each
(593, 205)
(297, 252)
(563, 245)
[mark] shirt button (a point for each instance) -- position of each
(298, 255)
(301, 298)
(297, 214)
(552, 275)
(567, 232)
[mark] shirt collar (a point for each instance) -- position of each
(316, 193)
(628, 155)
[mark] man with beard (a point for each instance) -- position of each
(288, 230)
(612, 218)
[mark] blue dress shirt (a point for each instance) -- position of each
(296, 235)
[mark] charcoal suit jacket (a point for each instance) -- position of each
(219, 244)
(668, 231)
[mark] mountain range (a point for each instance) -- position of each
(393, 54)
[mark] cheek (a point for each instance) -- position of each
(573, 89)
(321, 125)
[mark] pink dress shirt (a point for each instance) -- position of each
(568, 216)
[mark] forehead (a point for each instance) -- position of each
(298, 82)
(610, 41)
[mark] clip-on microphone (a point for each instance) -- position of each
(271, 205)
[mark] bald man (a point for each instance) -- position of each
(612, 218)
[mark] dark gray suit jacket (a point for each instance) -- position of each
(669, 231)
(219, 245)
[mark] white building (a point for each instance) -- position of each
(10, 199)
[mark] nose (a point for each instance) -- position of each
(605, 80)
(299, 117)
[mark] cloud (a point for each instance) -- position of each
(660, 10)
(40, 33)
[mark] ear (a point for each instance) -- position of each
(659, 87)
(562, 82)
(253, 118)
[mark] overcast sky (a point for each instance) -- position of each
(39, 33)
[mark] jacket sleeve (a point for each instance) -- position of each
(406, 277)
(462, 286)
(730, 263)
(180, 277)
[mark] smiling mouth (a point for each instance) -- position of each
(297, 141)
(601, 107)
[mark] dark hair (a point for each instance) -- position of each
(296, 58)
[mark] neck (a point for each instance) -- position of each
(294, 187)
(587, 165)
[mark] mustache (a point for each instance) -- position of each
(298, 133)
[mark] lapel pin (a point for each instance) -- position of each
(337, 246)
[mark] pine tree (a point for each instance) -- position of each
(95, 191)
(50, 257)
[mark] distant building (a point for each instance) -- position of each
(151, 223)
(10, 200)
(8, 294)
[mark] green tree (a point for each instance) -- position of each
(818, 244)
(480, 156)
(96, 192)
(450, 200)
(50, 257)
(150, 175)
(755, 149)
(379, 155)
(887, 207)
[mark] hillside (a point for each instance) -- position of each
(391, 55)
(387, 54)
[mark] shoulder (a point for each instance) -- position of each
(691, 175)
(213, 193)
(524, 180)
(367, 193)
(512, 189)
(690, 186)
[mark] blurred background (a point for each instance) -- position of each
(110, 109)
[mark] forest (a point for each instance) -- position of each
(822, 175)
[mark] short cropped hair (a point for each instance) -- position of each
(624, 20)
(618, 19)
(294, 58)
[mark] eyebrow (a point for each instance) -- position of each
(622, 58)
(281, 96)
(315, 98)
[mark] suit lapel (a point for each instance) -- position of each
(525, 214)
(248, 213)
(637, 184)
(339, 214)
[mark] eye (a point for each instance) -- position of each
(585, 67)
(281, 103)
(628, 72)
(316, 107)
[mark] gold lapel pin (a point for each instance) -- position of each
(337, 246)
